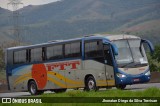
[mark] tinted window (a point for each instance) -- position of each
(73, 50)
(36, 55)
(107, 55)
(93, 49)
(20, 57)
(55, 52)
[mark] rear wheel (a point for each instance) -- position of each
(32, 88)
(121, 86)
(59, 90)
(90, 84)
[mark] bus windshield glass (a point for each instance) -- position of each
(131, 53)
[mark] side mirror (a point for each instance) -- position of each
(150, 45)
(115, 49)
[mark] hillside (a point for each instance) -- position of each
(73, 18)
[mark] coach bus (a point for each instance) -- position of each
(90, 62)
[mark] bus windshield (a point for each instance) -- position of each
(131, 53)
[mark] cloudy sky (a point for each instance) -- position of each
(3, 3)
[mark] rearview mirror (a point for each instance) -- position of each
(115, 49)
(150, 45)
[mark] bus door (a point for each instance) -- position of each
(109, 70)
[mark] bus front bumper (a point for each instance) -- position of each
(130, 79)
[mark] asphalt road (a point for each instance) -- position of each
(135, 87)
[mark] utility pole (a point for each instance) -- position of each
(15, 20)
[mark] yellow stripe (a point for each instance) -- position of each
(105, 82)
(23, 76)
(57, 82)
(68, 81)
(59, 76)
(20, 81)
(106, 85)
(61, 84)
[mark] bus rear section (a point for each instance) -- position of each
(44, 67)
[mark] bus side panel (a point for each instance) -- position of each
(110, 75)
(73, 74)
(62, 74)
(96, 69)
(103, 74)
(19, 78)
(55, 77)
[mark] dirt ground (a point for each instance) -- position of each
(155, 78)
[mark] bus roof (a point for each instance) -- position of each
(108, 37)
(122, 36)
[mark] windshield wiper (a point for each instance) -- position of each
(127, 64)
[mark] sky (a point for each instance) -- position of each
(3, 3)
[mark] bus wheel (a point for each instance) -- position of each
(121, 86)
(90, 84)
(32, 87)
(59, 90)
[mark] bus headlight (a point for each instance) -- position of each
(147, 73)
(121, 75)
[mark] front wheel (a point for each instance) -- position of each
(90, 84)
(121, 87)
(32, 88)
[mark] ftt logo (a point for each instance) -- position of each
(6, 100)
(63, 65)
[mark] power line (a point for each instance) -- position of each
(15, 20)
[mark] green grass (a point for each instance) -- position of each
(150, 92)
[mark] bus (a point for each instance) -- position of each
(90, 62)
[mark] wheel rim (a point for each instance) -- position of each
(91, 84)
(33, 88)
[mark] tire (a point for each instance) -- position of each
(90, 84)
(59, 90)
(32, 88)
(121, 87)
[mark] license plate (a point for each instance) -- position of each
(135, 80)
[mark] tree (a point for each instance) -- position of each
(156, 54)
(154, 59)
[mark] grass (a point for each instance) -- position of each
(150, 92)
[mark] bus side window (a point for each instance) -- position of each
(93, 49)
(43, 53)
(73, 50)
(36, 55)
(67, 50)
(54, 52)
(20, 57)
